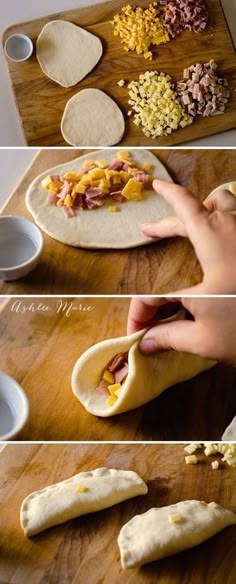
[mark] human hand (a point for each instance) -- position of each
(211, 228)
(212, 333)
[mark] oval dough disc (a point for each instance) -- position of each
(92, 118)
(97, 228)
(67, 53)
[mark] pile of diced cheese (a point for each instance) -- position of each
(156, 106)
(210, 449)
(139, 28)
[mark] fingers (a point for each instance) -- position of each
(168, 227)
(184, 203)
(141, 313)
(177, 336)
(221, 200)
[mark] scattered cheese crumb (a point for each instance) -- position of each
(112, 209)
(227, 450)
(191, 448)
(174, 518)
(215, 465)
(121, 83)
(81, 489)
(192, 459)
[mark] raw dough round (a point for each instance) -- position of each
(97, 228)
(67, 53)
(92, 118)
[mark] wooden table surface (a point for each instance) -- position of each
(156, 268)
(85, 549)
(39, 350)
(41, 102)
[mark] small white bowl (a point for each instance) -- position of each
(21, 245)
(14, 407)
(18, 47)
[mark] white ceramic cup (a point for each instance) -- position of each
(14, 407)
(18, 47)
(21, 245)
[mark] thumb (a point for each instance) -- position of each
(177, 336)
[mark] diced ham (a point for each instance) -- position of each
(93, 192)
(103, 387)
(141, 177)
(117, 196)
(68, 211)
(117, 362)
(182, 15)
(66, 190)
(51, 199)
(55, 177)
(78, 202)
(116, 165)
(202, 92)
(121, 374)
(94, 203)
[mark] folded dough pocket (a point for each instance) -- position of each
(164, 531)
(83, 493)
(113, 376)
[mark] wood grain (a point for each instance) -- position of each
(152, 269)
(85, 549)
(41, 102)
(39, 350)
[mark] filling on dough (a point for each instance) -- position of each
(97, 182)
(113, 376)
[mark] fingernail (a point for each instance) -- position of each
(148, 346)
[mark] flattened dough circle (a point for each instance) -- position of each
(67, 53)
(92, 118)
(98, 229)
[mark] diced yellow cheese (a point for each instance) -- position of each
(112, 209)
(124, 175)
(72, 176)
(132, 190)
(215, 465)
(132, 169)
(114, 387)
(81, 489)
(55, 186)
(86, 180)
(97, 173)
(68, 201)
(121, 83)
(102, 163)
(111, 400)
(78, 189)
(232, 188)
(116, 180)
(118, 392)
(191, 448)
(108, 376)
(147, 167)
(46, 182)
(88, 163)
(192, 459)
(104, 185)
(95, 183)
(123, 155)
(174, 518)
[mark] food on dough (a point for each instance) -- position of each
(66, 52)
(97, 181)
(151, 536)
(141, 378)
(140, 29)
(182, 15)
(156, 106)
(97, 228)
(92, 118)
(83, 493)
(202, 92)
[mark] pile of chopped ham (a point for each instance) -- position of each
(77, 191)
(202, 92)
(182, 15)
(118, 366)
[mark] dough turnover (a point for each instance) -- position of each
(85, 492)
(66, 52)
(92, 118)
(152, 535)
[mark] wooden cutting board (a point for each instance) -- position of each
(41, 102)
(39, 350)
(85, 549)
(152, 269)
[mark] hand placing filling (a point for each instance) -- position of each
(113, 377)
(96, 182)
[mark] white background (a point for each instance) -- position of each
(12, 164)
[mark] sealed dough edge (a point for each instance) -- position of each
(152, 536)
(147, 378)
(60, 502)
